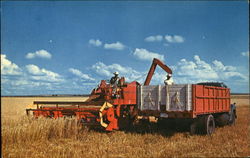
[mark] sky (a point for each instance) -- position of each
(63, 47)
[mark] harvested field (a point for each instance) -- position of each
(28, 137)
(240, 99)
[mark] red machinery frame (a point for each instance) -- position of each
(152, 70)
(105, 106)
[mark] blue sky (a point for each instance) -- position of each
(68, 47)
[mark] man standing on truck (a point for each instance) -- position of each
(169, 80)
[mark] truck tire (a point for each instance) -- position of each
(222, 119)
(209, 124)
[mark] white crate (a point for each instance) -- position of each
(177, 97)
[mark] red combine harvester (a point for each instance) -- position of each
(116, 107)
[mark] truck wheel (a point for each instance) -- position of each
(209, 125)
(222, 119)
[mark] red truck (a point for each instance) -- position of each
(112, 107)
(202, 105)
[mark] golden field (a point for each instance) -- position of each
(240, 99)
(24, 136)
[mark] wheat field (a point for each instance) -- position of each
(24, 136)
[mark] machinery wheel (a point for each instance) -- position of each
(209, 124)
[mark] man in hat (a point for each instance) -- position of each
(169, 80)
(114, 82)
(114, 79)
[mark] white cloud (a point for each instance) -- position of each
(199, 70)
(47, 78)
(108, 70)
(20, 82)
(9, 68)
(168, 38)
(191, 70)
(30, 79)
(26, 85)
(218, 66)
(154, 38)
(227, 72)
(202, 64)
(196, 70)
(80, 74)
(43, 74)
(115, 46)
(96, 43)
(39, 54)
(101, 69)
(34, 70)
(246, 54)
(144, 54)
(231, 74)
(174, 39)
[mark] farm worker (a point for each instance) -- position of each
(114, 79)
(114, 82)
(233, 110)
(169, 80)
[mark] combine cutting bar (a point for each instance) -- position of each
(68, 103)
(87, 112)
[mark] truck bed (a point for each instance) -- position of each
(182, 100)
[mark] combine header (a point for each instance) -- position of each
(104, 106)
(117, 106)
